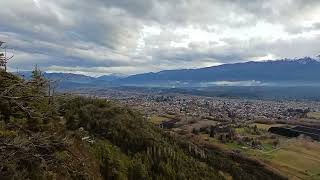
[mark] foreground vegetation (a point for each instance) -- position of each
(45, 136)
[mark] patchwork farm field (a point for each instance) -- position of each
(297, 158)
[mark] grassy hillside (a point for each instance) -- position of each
(68, 137)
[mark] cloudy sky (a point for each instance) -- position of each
(97, 37)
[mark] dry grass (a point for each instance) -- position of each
(158, 119)
(315, 115)
(199, 124)
(266, 126)
(296, 158)
(300, 159)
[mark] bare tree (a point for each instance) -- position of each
(3, 55)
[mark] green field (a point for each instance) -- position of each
(295, 158)
(298, 159)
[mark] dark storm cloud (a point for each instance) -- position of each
(113, 36)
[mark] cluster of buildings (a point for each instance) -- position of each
(195, 113)
(214, 108)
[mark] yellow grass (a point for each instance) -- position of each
(296, 158)
(315, 115)
(158, 119)
(266, 126)
(299, 159)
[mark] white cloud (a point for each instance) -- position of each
(112, 36)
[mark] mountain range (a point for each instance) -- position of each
(66, 80)
(305, 71)
(297, 70)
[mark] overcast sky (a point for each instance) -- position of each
(97, 37)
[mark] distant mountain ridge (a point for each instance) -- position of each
(304, 70)
(71, 80)
(72, 77)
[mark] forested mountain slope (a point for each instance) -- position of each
(301, 70)
(67, 137)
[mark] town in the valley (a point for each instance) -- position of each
(277, 132)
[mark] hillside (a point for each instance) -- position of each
(97, 139)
